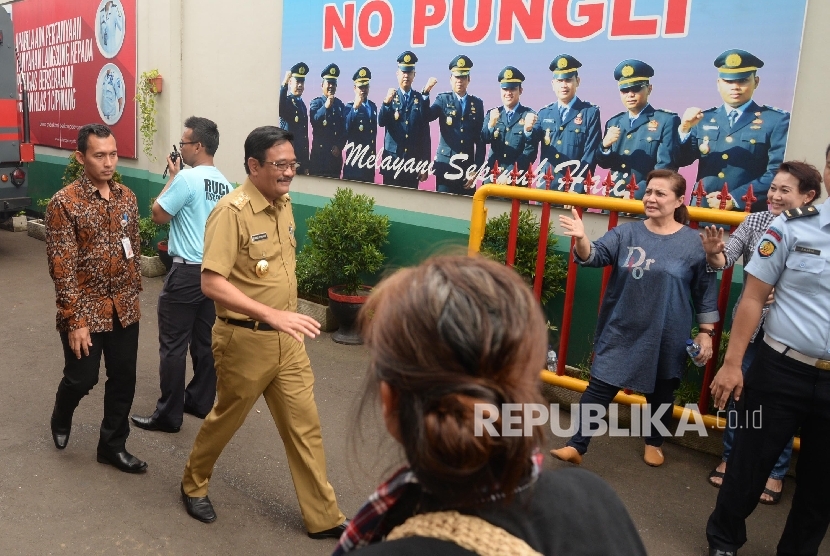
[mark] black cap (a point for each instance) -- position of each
(406, 61)
(631, 73)
(565, 65)
(362, 76)
(299, 71)
(461, 65)
(737, 64)
(331, 72)
(510, 77)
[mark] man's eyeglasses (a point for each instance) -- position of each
(183, 143)
(284, 166)
(632, 89)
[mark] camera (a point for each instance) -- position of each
(176, 157)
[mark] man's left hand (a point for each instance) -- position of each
(430, 84)
(728, 381)
(293, 324)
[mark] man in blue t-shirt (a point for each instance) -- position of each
(185, 314)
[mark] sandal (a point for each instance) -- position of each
(715, 474)
(776, 496)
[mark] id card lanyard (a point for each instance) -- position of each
(125, 240)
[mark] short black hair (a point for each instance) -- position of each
(98, 130)
(203, 131)
(261, 139)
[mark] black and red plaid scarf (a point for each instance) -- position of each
(369, 526)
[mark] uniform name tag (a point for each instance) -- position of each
(259, 237)
(801, 249)
(710, 127)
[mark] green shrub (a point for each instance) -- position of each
(344, 242)
(494, 246)
(147, 230)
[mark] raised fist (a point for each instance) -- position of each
(494, 117)
(611, 136)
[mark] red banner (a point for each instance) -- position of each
(77, 61)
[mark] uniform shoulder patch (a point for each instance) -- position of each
(240, 200)
(551, 105)
(800, 212)
(774, 109)
(766, 248)
(616, 115)
(666, 111)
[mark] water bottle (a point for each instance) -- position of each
(551, 360)
(693, 350)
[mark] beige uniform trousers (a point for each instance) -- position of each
(251, 364)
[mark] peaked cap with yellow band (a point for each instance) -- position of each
(630, 73)
(737, 64)
(564, 66)
(331, 72)
(407, 60)
(510, 78)
(362, 76)
(299, 71)
(460, 65)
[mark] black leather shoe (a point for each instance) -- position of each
(60, 430)
(152, 424)
(333, 533)
(717, 552)
(190, 411)
(123, 461)
(198, 507)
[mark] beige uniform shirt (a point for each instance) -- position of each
(245, 233)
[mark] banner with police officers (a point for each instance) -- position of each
(474, 132)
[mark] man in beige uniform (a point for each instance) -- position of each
(248, 270)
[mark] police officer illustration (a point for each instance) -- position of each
(641, 138)
(361, 129)
(738, 143)
(568, 130)
(328, 124)
(460, 116)
(508, 129)
(293, 112)
(403, 113)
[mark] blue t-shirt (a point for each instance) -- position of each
(189, 199)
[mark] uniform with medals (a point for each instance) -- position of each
(746, 151)
(251, 243)
(574, 137)
(460, 133)
(788, 385)
(362, 130)
(509, 143)
(647, 143)
(407, 134)
(294, 116)
(329, 131)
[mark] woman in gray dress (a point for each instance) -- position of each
(658, 287)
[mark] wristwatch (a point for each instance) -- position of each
(708, 331)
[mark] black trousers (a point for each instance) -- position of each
(601, 393)
(185, 319)
(120, 350)
(404, 179)
(445, 185)
(780, 395)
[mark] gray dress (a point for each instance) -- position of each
(646, 314)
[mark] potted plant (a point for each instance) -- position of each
(344, 242)
(146, 90)
(151, 265)
(494, 246)
(164, 255)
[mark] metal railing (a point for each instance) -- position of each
(614, 206)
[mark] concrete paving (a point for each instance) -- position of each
(54, 502)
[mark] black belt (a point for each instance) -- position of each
(251, 324)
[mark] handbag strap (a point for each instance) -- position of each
(470, 532)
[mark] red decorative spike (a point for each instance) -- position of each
(632, 186)
(723, 196)
(530, 176)
(514, 175)
(609, 184)
(699, 193)
(548, 177)
(588, 183)
(748, 199)
(567, 180)
(494, 173)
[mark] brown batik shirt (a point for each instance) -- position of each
(87, 259)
